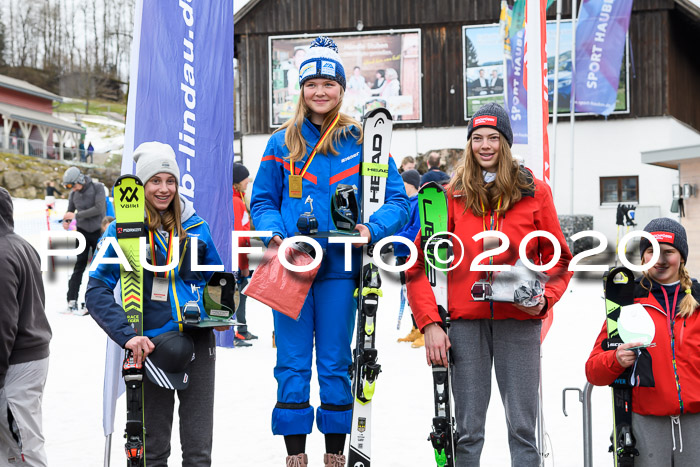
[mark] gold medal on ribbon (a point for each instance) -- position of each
(295, 186)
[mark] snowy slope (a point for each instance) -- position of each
(246, 389)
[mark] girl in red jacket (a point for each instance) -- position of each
(665, 415)
(490, 191)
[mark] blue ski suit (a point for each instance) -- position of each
(328, 314)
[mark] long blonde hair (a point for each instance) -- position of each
(294, 140)
(688, 304)
(170, 219)
(508, 186)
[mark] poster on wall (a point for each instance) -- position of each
(622, 101)
(484, 67)
(485, 77)
(382, 68)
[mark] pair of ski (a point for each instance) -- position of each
(619, 292)
(377, 128)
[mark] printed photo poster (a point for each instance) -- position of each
(382, 69)
(621, 103)
(484, 67)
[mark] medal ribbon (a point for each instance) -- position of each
(313, 152)
(168, 254)
(494, 225)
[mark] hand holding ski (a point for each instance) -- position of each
(437, 345)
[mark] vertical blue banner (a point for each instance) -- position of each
(600, 43)
(181, 93)
(516, 93)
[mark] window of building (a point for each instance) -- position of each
(619, 189)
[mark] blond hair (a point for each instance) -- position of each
(294, 140)
(688, 304)
(508, 187)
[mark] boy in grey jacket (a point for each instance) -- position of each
(86, 204)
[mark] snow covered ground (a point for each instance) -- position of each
(246, 389)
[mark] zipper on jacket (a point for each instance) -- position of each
(673, 361)
(491, 306)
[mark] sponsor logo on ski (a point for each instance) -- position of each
(361, 424)
(374, 179)
(485, 120)
(428, 231)
(128, 194)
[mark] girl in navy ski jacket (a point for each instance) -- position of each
(327, 316)
(167, 215)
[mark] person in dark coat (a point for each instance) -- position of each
(86, 204)
(24, 346)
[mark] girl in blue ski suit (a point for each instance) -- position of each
(157, 167)
(327, 316)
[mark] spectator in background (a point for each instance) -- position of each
(241, 221)
(434, 174)
(51, 191)
(81, 151)
(407, 163)
(90, 151)
(24, 346)
(86, 204)
(411, 181)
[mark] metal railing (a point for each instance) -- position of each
(16, 145)
(585, 398)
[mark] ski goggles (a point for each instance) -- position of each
(68, 186)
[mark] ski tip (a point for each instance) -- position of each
(379, 111)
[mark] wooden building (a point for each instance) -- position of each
(28, 124)
(662, 33)
(594, 166)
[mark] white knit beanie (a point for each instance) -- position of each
(154, 158)
(322, 61)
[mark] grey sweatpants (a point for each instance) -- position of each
(20, 402)
(513, 348)
(656, 437)
(196, 410)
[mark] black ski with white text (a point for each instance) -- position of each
(619, 292)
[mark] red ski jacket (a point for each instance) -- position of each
(241, 221)
(535, 211)
(675, 361)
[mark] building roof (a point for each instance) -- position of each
(38, 118)
(27, 88)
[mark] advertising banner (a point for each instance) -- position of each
(484, 67)
(181, 93)
(382, 69)
(601, 34)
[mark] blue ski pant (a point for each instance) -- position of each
(327, 321)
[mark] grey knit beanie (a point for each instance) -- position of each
(492, 115)
(153, 158)
(73, 175)
(668, 231)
